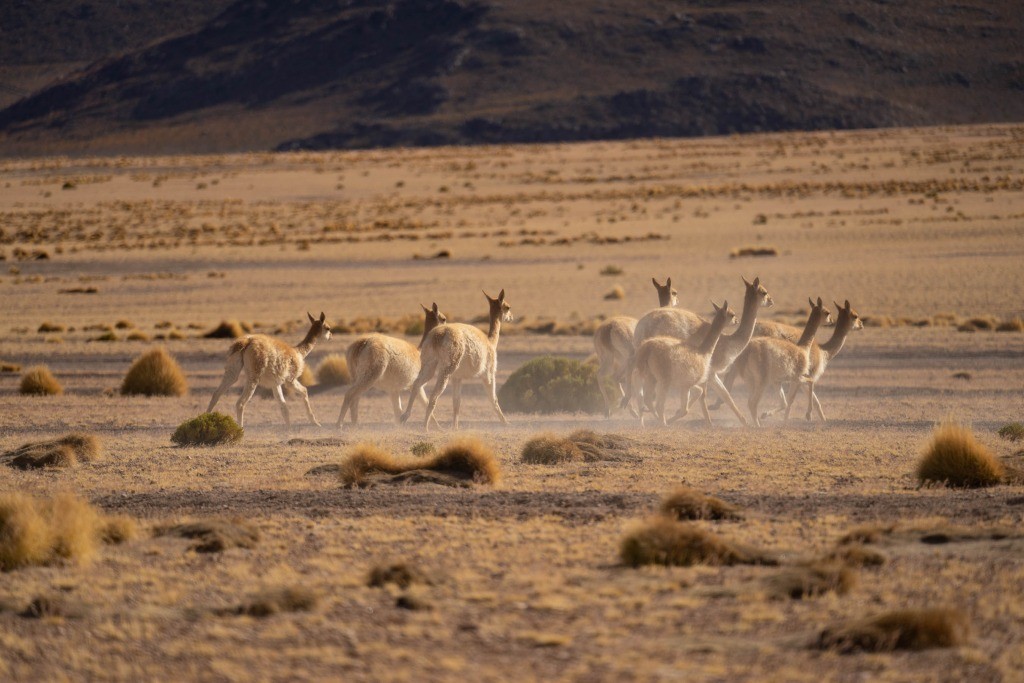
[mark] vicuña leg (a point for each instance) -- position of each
(456, 402)
(301, 391)
(279, 395)
(439, 387)
(243, 400)
(426, 372)
(231, 373)
(492, 389)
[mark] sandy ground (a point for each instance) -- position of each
(906, 224)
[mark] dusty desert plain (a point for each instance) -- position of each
(920, 229)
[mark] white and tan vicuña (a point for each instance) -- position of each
(387, 363)
(667, 364)
(731, 346)
(767, 363)
(846, 322)
(271, 364)
(456, 352)
(613, 343)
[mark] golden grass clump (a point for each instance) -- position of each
(549, 449)
(742, 252)
(615, 293)
(39, 532)
(277, 601)
(51, 606)
(398, 573)
(118, 529)
(39, 381)
(9, 367)
(687, 503)
(857, 555)
(138, 335)
(66, 451)
(213, 535)
(208, 429)
(51, 327)
(908, 629)
(155, 373)
(461, 461)
(664, 541)
(1014, 325)
(228, 329)
(333, 371)
(812, 580)
(955, 458)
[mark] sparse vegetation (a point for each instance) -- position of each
(460, 462)
(66, 451)
(1014, 431)
(208, 429)
(422, 449)
(52, 606)
(118, 529)
(615, 293)
(38, 532)
(333, 371)
(50, 327)
(611, 270)
(581, 445)
(214, 535)
(685, 503)
(741, 252)
(857, 555)
(138, 335)
(9, 367)
(155, 373)
(812, 580)
(910, 629)
(276, 601)
(400, 574)
(552, 385)
(39, 381)
(1013, 325)
(955, 458)
(664, 541)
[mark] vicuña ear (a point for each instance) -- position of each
(744, 281)
(655, 282)
(838, 307)
(847, 304)
(435, 308)
(757, 282)
(425, 309)
(668, 282)
(716, 306)
(820, 303)
(725, 305)
(487, 295)
(810, 301)
(501, 294)
(310, 316)
(323, 316)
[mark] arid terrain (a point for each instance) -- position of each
(922, 230)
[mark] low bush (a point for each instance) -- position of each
(39, 381)
(462, 461)
(685, 503)
(155, 373)
(955, 458)
(333, 371)
(664, 541)
(208, 429)
(276, 601)
(1013, 431)
(214, 535)
(909, 629)
(228, 329)
(812, 580)
(66, 451)
(39, 532)
(552, 385)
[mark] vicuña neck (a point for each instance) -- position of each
(307, 344)
(811, 328)
(746, 328)
(495, 329)
(707, 347)
(835, 344)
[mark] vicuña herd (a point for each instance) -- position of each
(667, 350)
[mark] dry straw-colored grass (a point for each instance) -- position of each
(39, 381)
(118, 529)
(9, 367)
(664, 541)
(812, 580)
(582, 445)
(52, 606)
(615, 293)
(909, 629)
(743, 252)
(278, 600)
(47, 326)
(461, 461)
(213, 535)
(400, 574)
(39, 532)
(66, 451)
(955, 458)
(155, 373)
(333, 371)
(687, 503)
(857, 555)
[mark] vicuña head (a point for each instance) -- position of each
(318, 329)
(500, 310)
(667, 295)
(763, 296)
(432, 317)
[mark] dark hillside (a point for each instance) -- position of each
(330, 73)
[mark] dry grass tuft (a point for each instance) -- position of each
(228, 329)
(214, 535)
(66, 451)
(615, 293)
(52, 606)
(460, 462)
(664, 541)
(742, 252)
(333, 371)
(399, 573)
(51, 327)
(857, 555)
(686, 503)
(1014, 325)
(422, 449)
(39, 381)
(812, 580)
(138, 335)
(277, 601)
(9, 367)
(909, 629)
(118, 529)
(955, 458)
(867, 533)
(582, 445)
(208, 429)
(39, 532)
(155, 373)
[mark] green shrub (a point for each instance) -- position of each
(155, 373)
(1012, 432)
(552, 385)
(208, 429)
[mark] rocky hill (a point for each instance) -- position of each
(184, 76)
